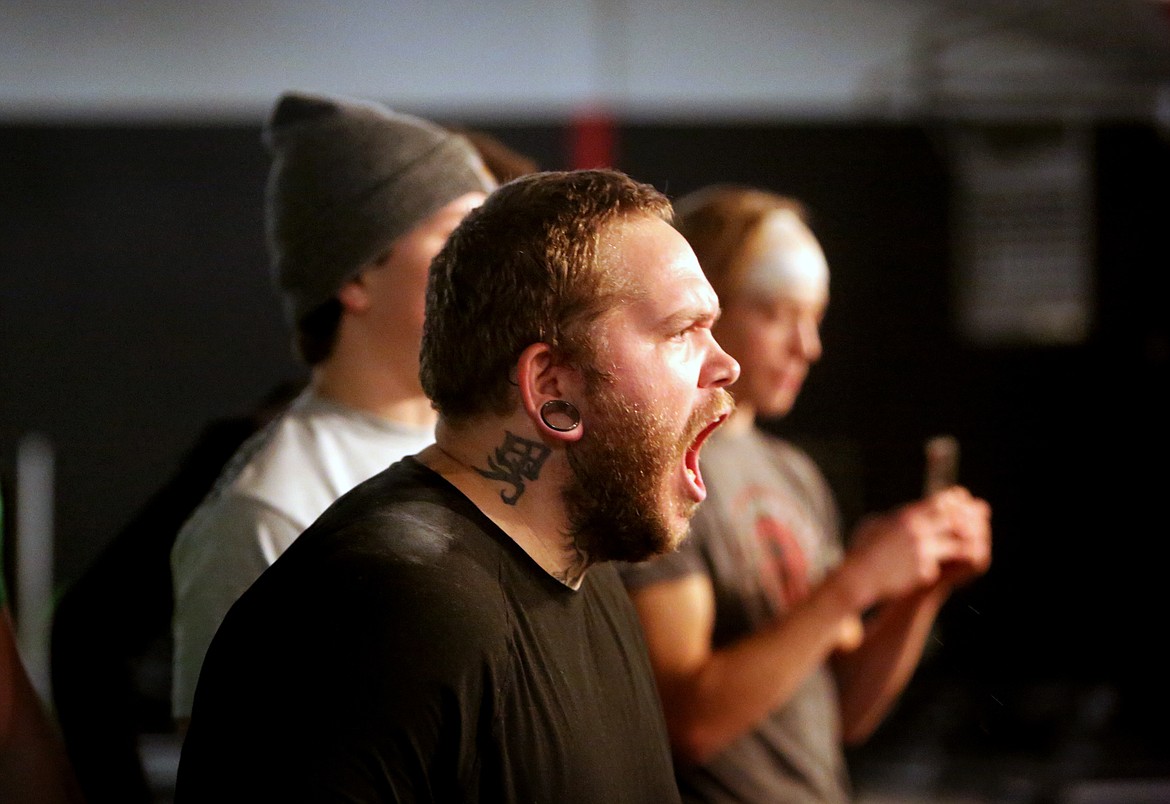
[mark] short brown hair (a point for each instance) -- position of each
(523, 268)
(721, 223)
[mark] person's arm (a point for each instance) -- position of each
(215, 559)
(711, 697)
(871, 678)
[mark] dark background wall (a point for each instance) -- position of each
(135, 308)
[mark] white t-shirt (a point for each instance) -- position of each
(275, 486)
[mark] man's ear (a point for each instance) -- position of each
(543, 379)
(354, 295)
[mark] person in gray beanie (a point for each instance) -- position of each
(359, 199)
(349, 178)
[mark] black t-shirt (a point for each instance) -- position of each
(404, 648)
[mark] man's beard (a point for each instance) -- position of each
(620, 504)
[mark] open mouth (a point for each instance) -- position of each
(691, 459)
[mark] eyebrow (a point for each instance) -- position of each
(692, 315)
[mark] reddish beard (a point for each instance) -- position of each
(619, 500)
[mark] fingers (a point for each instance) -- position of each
(961, 513)
(911, 546)
(967, 532)
(899, 551)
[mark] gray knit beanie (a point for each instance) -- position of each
(348, 177)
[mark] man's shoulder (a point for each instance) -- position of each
(304, 460)
(777, 446)
(403, 514)
(786, 455)
(303, 463)
(399, 542)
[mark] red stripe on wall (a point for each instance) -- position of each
(592, 140)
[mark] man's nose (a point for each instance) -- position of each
(721, 369)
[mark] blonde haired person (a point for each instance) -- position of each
(774, 645)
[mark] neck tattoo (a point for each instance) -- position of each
(515, 461)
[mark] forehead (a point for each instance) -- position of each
(784, 260)
(657, 268)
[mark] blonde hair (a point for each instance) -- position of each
(723, 223)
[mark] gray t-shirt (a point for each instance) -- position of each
(767, 533)
(275, 486)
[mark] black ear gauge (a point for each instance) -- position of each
(559, 415)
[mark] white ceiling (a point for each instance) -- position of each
(648, 58)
